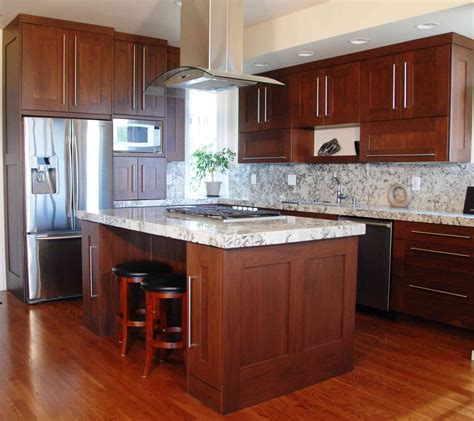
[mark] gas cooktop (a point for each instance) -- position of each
(226, 213)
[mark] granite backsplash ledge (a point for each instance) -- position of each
(443, 186)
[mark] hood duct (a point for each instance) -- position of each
(211, 51)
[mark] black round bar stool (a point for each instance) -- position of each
(171, 286)
(130, 273)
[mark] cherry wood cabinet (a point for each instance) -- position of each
(326, 96)
(175, 112)
(137, 62)
(433, 272)
(264, 107)
(64, 69)
(139, 178)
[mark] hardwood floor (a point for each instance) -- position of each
(51, 367)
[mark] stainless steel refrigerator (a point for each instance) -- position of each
(68, 166)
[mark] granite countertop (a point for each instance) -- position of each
(360, 210)
(155, 220)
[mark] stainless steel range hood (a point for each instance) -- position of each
(211, 51)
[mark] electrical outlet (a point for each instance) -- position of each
(253, 179)
(292, 179)
(416, 183)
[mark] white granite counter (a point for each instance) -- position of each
(156, 221)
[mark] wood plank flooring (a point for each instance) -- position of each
(53, 368)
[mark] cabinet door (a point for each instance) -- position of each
(426, 80)
(90, 275)
(204, 267)
(90, 75)
(44, 68)
(152, 63)
(125, 78)
(250, 110)
(276, 106)
(125, 178)
(174, 118)
(342, 94)
(307, 99)
(381, 89)
(152, 178)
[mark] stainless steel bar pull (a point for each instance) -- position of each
(265, 105)
(258, 105)
(405, 75)
(75, 69)
(326, 95)
(190, 312)
(440, 234)
(394, 70)
(91, 272)
(143, 76)
(439, 291)
(134, 78)
(64, 69)
(317, 97)
(447, 253)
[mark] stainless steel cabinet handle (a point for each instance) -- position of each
(143, 76)
(142, 178)
(439, 291)
(447, 253)
(258, 105)
(394, 70)
(91, 272)
(132, 178)
(134, 89)
(317, 97)
(405, 75)
(439, 234)
(265, 105)
(190, 312)
(264, 157)
(75, 70)
(400, 154)
(326, 95)
(64, 69)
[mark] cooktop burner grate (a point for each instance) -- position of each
(226, 213)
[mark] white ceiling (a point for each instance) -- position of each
(458, 19)
(155, 18)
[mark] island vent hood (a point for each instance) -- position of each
(211, 51)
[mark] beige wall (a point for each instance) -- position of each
(2, 229)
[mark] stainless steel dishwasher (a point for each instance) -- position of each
(374, 263)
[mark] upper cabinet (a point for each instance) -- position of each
(137, 62)
(65, 67)
(414, 84)
(326, 96)
(264, 107)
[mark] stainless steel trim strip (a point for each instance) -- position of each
(465, 237)
(190, 311)
(258, 105)
(91, 272)
(447, 253)
(134, 89)
(326, 95)
(265, 106)
(64, 69)
(393, 86)
(405, 74)
(317, 97)
(75, 70)
(143, 76)
(401, 154)
(439, 291)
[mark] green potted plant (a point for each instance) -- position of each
(207, 162)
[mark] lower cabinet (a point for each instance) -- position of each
(139, 178)
(433, 272)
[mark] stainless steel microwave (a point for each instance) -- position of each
(140, 136)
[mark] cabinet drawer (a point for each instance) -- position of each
(435, 234)
(421, 299)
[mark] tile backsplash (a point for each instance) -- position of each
(443, 186)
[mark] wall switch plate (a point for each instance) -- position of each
(292, 179)
(416, 183)
(253, 179)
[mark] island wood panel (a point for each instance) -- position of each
(287, 319)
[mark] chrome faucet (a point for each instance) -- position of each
(339, 195)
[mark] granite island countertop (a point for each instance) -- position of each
(156, 221)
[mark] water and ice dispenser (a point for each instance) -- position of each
(43, 175)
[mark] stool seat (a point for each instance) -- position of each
(170, 282)
(140, 269)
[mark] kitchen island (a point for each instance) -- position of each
(272, 303)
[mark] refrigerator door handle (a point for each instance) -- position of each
(75, 177)
(69, 182)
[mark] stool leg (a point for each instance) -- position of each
(150, 320)
(125, 311)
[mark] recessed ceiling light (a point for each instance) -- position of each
(305, 54)
(427, 25)
(260, 64)
(359, 41)
(178, 2)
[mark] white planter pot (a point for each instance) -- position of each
(213, 188)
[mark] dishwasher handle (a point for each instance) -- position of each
(367, 222)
